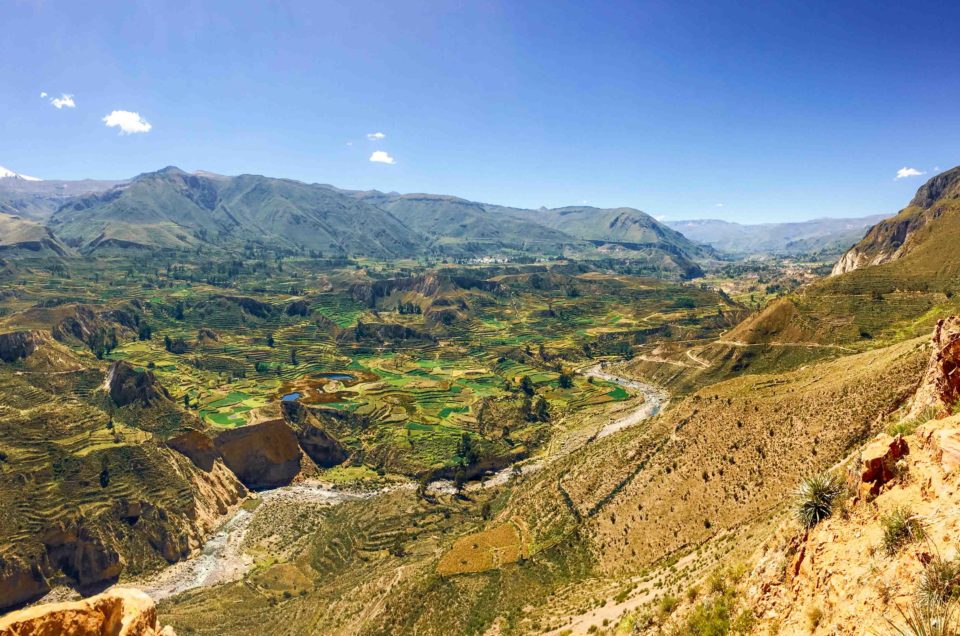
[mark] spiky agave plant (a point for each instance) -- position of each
(940, 581)
(926, 619)
(816, 495)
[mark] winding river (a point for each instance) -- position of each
(223, 558)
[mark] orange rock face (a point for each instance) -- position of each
(879, 460)
(119, 611)
(940, 388)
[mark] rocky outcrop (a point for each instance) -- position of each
(940, 388)
(878, 461)
(21, 580)
(129, 386)
(117, 612)
(249, 305)
(19, 345)
(84, 554)
(265, 455)
(893, 238)
(207, 335)
(197, 446)
(298, 308)
(369, 293)
(82, 326)
(316, 442)
(839, 571)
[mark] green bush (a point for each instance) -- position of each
(940, 582)
(816, 496)
(900, 527)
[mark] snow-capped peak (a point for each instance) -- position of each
(4, 173)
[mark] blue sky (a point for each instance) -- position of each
(737, 110)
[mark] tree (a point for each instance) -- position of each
(145, 332)
(186, 400)
(565, 381)
(178, 310)
(541, 410)
(466, 450)
(270, 340)
(526, 384)
(293, 356)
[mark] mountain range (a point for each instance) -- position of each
(821, 236)
(173, 209)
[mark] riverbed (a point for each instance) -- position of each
(223, 558)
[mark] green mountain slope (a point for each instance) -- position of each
(895, 284)
(173, 209)
(453, 221)
(19, 235)
(620, 225)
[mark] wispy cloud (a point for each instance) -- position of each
(43, 94)
(379, 156)
(377, 136)
(719, 205)
(64, 101)
(904, 172)
(128, 122)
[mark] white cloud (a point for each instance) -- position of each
(128, 123)
(380, 156)
(908, 172)
(719, 205)
(661, 217)
(377, 136)
(43, 94)
(64, 101)
(349, 143)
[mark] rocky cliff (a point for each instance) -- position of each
(887, 553)
(894, 238)
(117, 612)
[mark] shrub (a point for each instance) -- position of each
(814, 617)
(710, 618)
(923, 619)
(940, 582)
(668, 604)
(900, 527)
(815, 498)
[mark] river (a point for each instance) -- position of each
(223, 558)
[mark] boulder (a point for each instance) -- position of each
(117, 612)
(265, 455)
(878, 461)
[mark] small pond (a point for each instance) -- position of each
(291, 397)
(343, 377)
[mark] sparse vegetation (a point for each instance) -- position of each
(924, 619)
(816, 497)
(939, 582)
(900, 527)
